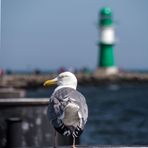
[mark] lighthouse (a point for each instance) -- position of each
(106, 63)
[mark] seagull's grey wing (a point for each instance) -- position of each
(54, 108)
(57, 103)
(80, 100)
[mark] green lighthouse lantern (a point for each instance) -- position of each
(107, 41)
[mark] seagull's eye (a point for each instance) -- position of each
(61, 77)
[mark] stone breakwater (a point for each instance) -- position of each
(35, 81)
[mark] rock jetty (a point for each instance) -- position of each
(36, 80)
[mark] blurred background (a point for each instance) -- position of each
(48, 35)
(42, 38)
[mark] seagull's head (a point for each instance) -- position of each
(65, 79)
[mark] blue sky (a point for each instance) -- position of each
(48, 34)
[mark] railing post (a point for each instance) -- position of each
(14, 132)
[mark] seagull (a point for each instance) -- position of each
(67, 109)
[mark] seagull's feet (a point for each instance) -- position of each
(73, 146)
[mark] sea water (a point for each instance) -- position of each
(118, 114)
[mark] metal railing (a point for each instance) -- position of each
(24, 101)
(26, 119)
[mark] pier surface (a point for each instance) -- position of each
(95, 146)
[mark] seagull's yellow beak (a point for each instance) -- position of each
(50, 82)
